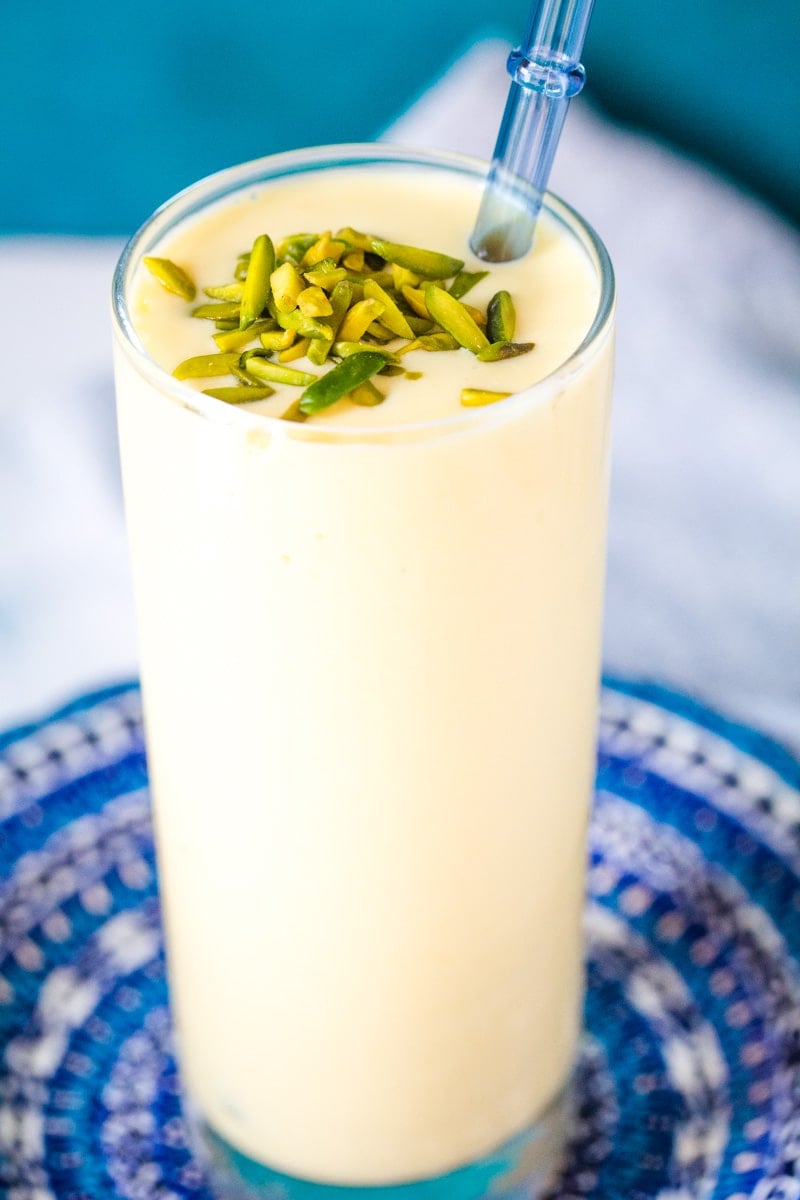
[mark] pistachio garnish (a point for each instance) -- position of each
(243, 394)
(202, 366)
(171, 276)
(353, 297)
(256, 291)
(427, 263)
(270, 372)
(454, 319)
(477, 397)
(228, 310)
(465, 281)
(349, 374)
(501, 318)
(498, 351)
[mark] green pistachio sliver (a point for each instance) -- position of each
(203, 366)
(465, 281)
(237, 339)
(420, 325)
(324, 247)
(298, 349)
(341, 296)
(415, 299)
(352, 237)
(325, 274)
(286, 284)
(454, 319)
(501, 319)
(306, 326)
(431, 342)
(227, 311)
(478, 397)
(172, 277)
(242, 263)
(225, 326)
(498, 351)
(391, 316)
(243, 394)
(427, 263)
(348, 349)
(277, 339)
(343, 378)
(271, 372)
(313, 302)
(366, 395)
(225, 291)
(413, 374)
(359, 318)
(257, 293)
(294, 412)
(391, 370)
(402, 277)
(292, 248)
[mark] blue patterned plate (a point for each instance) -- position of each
(690, 1073)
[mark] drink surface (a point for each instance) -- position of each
(370, 674)
(554, 289)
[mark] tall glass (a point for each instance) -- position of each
(369, 663)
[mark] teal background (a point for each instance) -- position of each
(107, 108)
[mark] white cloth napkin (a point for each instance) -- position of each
(704, 556)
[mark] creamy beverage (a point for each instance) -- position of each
(369, 656)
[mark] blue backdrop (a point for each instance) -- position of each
(107, 108)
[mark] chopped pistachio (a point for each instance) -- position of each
(420, 325)
(341, 297)
(324, 247)
(454, 319)
(294, 412)
(256, 293)
(413, 374)
(501, 318)
(403, 277)
(225, 326)
(352, 237)
(391, 370)
(427, 263)
(305, 326)
(379, 333)
(366, 395)
(354, 260)
(478, 317)
(477, 397)
(172, 277)
(287, 284)
(292, 248)
(202, 366)
(359, 318)
(465, 281)
(298, 350)
(243, 394)
(313, 302)
(416, 300)
(237, 339)
(278, 339)
(431, 341)
(225, 291)
(498, 351)
(242, 263)
(345, 376)
(264, 370)
(391, 316)
(227, 311)
(325, 274)
(347, 349)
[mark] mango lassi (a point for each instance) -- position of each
(369, 655)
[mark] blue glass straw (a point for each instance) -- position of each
(545, 74)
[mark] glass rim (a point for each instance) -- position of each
(215, 187)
